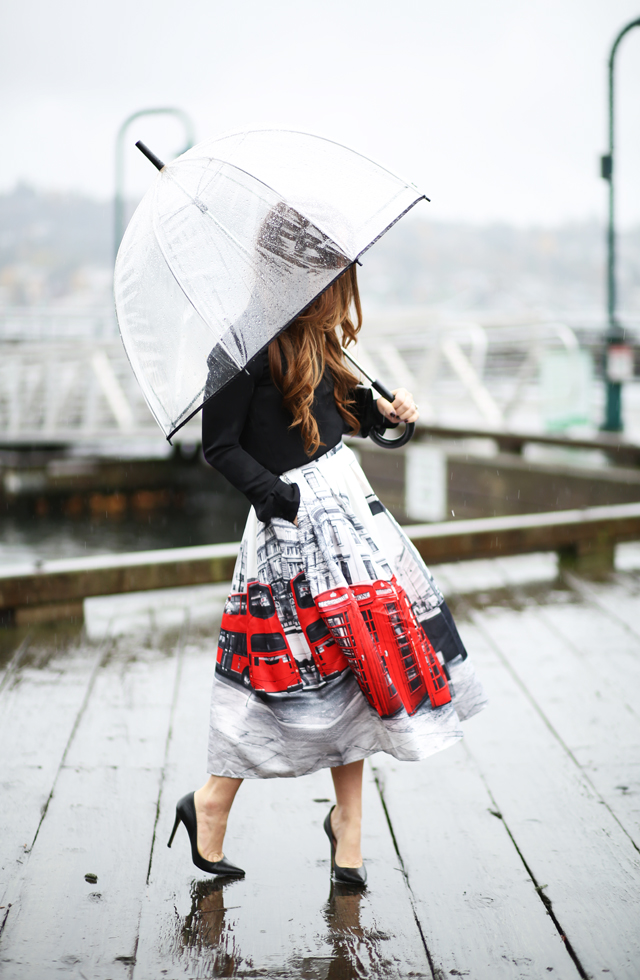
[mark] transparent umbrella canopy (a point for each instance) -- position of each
(230, 243)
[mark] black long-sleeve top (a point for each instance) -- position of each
(247, 435)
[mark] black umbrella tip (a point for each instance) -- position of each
(150, 155)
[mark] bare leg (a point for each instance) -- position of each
(213, 802)
(346, 819)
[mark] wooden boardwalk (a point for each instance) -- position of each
(513, 855)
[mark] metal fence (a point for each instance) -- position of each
(64, 376)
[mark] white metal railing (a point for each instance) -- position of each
(19, 324)
(80, 387)
(473, 373)
(69, 391)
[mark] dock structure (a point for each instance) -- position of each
(514, 854)
(584, 539)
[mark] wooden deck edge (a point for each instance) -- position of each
(585, 541)
(612, 445)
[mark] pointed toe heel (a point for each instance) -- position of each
(186, 814)
(349, 876)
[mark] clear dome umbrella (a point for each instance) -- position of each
(231, 242)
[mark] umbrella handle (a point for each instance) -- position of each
(376, 433)
(376, 436)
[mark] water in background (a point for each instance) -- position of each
(206, 518)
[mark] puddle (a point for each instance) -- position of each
(351, 947)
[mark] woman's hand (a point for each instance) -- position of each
(404, 409)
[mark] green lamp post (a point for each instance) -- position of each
(119, 200)
(619, 356)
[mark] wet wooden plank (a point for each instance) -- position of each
(619, 598)
(478, 907)
(195, 928)
(164, 609)
(593, 709)
(100, 820)
(468, 576)
(283, 919)
(571, 842)
(13, 643)
(602, 641)
(72, 926)
(615, 652)
(586, 700)
(39, 707)
(485, 575)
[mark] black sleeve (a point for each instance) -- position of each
(223, 419)
(368, 413)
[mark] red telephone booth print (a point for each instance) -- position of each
(383, 615)
(339, 609)
(272, 667)
(232, 659)
(432, 670)
(327, 655)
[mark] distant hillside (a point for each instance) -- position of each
(45, 239)
(57, 248)
(499, 267)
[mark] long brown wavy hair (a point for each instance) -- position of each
(299, 356)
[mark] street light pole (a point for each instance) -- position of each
(618, 359)
(119, 200)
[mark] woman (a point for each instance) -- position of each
(335, 642)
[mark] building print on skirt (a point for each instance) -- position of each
(321, 614)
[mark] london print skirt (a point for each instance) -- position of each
(336, 643)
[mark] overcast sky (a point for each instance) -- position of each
(495, 108)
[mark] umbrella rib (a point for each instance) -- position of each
(225, 231)
(206, 211)
(302, 132)
(172, 272)
(274, 190)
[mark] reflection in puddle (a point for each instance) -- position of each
(204, 937)
(206, 940)
(357, 950)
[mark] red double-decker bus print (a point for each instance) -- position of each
(272, 667)
(370, 628)
(326, 653)
(253, 649)
(233, 658)
(339, 609)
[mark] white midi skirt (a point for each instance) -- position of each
(336, 643)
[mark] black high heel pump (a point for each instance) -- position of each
(350, 876)
(186, 813)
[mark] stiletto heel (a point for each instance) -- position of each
(350, 876)
(175, 827)
(186, 813)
